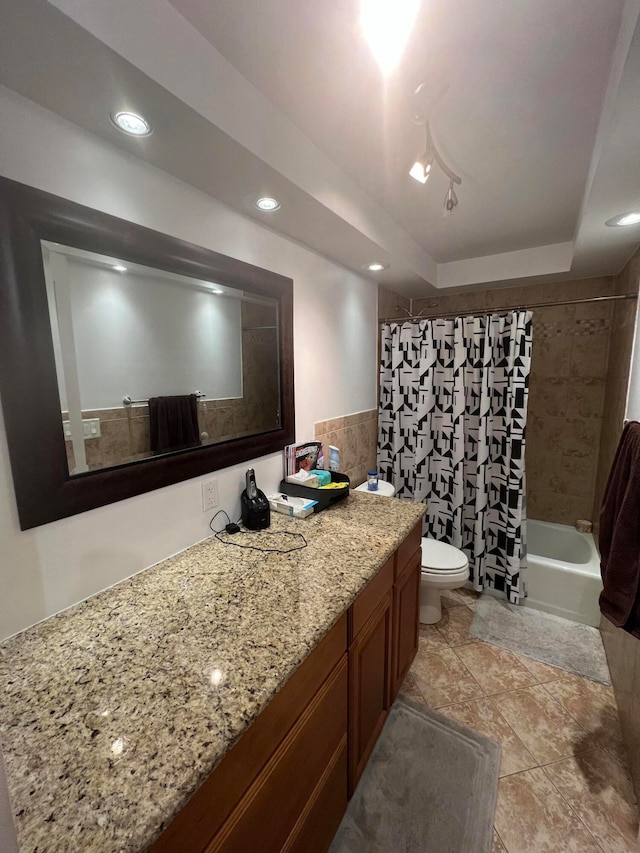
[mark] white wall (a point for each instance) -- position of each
(335, 323)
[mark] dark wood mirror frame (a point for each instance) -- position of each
(28, 384)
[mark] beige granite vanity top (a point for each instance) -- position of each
(113, 712)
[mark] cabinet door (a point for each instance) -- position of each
(369, 686)
(406, 621)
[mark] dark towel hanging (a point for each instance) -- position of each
(173, 423)
(619, 537)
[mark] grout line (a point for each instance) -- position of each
(500, 837)
(574, 756)
(570, 807)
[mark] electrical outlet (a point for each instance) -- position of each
(209, 495)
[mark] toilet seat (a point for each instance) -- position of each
(440, 558)
(448, 573)
(385, 489)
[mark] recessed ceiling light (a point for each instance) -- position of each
(375, 267)
(622, 219)
(131, 123)
(267, 203)
(119, 268)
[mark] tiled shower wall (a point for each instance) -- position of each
(623, 650)
(356, 437)
(620, 348)
(567, 385)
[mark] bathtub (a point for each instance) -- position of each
(563, 572)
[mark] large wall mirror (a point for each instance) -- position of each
(129, 359)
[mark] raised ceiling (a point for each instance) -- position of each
(532, 102)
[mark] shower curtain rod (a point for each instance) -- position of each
(412, 318)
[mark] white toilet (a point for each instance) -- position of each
(443, 566)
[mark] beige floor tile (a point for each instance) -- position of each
(546, 728)
(542, 672)
(481, 715)
(410, 688)
(600, 791)
(457, 597)
(431, 638)
(469, 597)
(532, 817)
(454, 626)
(450, 598)
(494, 668)
(442, 678)
(497, 846)
(593, 706)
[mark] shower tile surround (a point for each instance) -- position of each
(356, 436)
(567, 387)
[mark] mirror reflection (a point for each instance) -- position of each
(150, 362)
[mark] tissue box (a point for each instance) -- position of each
(304, 478)
(295, 507)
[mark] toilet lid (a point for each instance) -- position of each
(438, 555)
(385, 489)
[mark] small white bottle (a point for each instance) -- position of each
(334, 458)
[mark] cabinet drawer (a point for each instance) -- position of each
(272, 807)
(369, 599)
(408, 548)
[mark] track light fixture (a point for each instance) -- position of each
(421, 170)
(450, 200)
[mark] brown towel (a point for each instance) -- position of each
(620, 535)
(173, 423)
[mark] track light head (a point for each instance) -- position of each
(450, 200)
(422, 168)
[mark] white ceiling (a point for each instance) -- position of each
(532, 102)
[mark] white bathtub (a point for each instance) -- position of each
(563, 572)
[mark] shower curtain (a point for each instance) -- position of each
(453, 411)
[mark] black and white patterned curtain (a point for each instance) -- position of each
(453, 411)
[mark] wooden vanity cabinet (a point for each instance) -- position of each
(370, 668)
(285, 785)
(406, 607)
(383, 641)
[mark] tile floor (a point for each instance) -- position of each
(564, 783)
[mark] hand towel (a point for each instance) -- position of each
(173, 423)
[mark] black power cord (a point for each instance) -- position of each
(232, 529)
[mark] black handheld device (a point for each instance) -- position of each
(254, 506)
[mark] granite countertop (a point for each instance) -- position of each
(113, 712)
